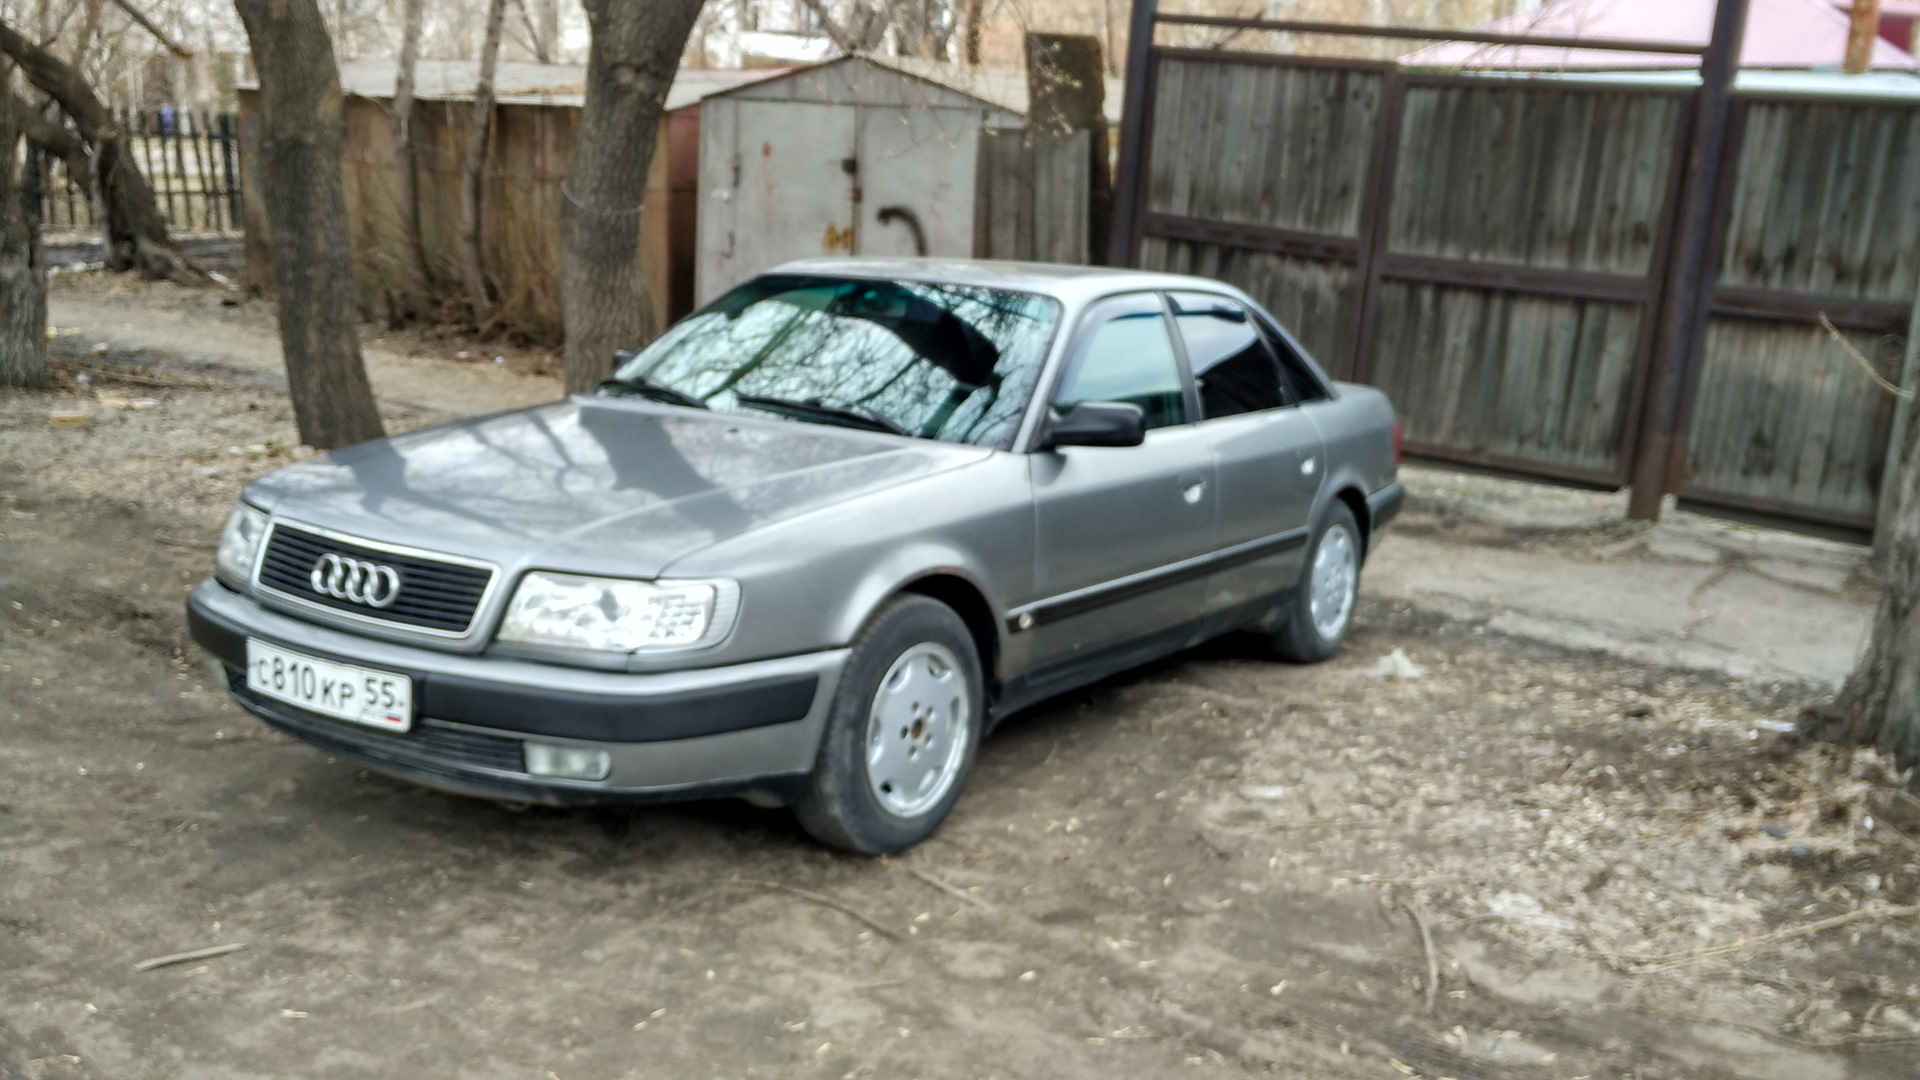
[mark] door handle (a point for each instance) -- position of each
(1193, 488)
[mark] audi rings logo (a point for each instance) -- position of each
(352, 580)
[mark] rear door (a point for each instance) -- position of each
(1123, 532)
(1266, 452)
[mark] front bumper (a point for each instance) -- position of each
(748, 729)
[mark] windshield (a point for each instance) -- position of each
(950, 362)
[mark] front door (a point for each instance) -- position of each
(1123, 532)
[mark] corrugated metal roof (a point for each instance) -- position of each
(1000, 87)
(1784, 34)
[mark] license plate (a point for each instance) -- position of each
(360, 695)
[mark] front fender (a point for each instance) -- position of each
(810, 583)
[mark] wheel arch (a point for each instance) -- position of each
(967, 601)
(1355, 500)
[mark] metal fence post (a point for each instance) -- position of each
(1680, 340)
(34, 185)
(1129, 194)
(229, 174)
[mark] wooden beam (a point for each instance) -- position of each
(1863, 28)
(1681, 336)
(1129, 183)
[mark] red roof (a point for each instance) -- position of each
(1780, 34)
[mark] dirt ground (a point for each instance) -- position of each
(1497, 858)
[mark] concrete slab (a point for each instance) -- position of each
(1551, 564)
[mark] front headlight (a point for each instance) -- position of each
(239, 544)
(616, 615)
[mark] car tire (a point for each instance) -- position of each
(1317, 621)
(902, 732)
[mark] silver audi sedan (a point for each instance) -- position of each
(812, 544)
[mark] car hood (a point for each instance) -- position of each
(593, 485)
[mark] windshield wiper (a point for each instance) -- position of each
(652, 390)
(860, 418)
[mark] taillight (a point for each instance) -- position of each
(1396, 443)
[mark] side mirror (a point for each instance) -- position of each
(1097, 423)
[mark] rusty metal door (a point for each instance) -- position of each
(793, 173)
(916, 180)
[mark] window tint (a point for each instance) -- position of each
(1301, 386)
(1232, 364)
(1128, 358)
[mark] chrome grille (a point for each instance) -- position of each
(436, 596)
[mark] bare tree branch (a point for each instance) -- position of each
(137, 235)
(53, 137)
(159, 35)
(406, 185)
(862, 32)
(472, 266)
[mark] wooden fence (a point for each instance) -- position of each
(1820, 215)
(522, 189)
(1492, 251)
(190, 157)
(1033, 195)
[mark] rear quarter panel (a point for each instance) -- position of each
(1356, 426)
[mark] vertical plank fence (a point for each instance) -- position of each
(1033, 196)
(1492, 251)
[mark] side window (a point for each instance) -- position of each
(1128, 358)
(1301, 386)
(1232, 364)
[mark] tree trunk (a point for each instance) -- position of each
(973, 12)
(1067, 93)
(1880, 704)
(472, 268)
(136, 231)
(634, 53)
(23, 278)
(53, 137)
(406, 183)
(302, 125)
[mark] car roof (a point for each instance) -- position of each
(1072, 285)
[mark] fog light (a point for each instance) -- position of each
(568, 762)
